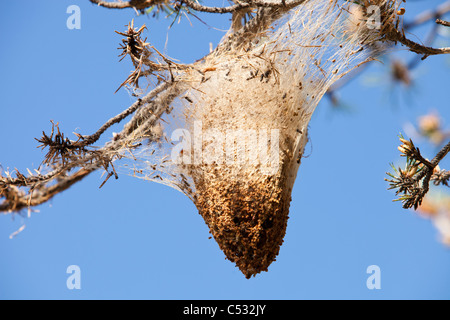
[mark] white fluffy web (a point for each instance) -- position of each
(269, 90)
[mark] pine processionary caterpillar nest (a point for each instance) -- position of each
(234, 129)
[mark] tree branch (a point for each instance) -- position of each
(414, 182)
(442, 22)
(241, 5)
(397, 36)
(39, 190)
(137, 4)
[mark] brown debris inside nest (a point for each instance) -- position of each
(247, 217)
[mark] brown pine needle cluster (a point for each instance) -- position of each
(146, 59)
(61, 149)
(135, 47)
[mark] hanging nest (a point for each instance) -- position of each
(253, 128)
(233, 132)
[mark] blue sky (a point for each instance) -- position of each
(138, 240)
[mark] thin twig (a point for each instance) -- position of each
(137, 4)
(241, 5)
(397, 36)
(89, 140)
(442, 22)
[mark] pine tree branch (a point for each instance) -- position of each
(397, 36)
